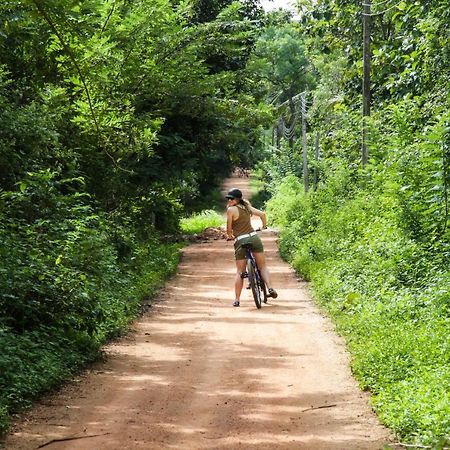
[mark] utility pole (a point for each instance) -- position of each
(317, 157)
(305, 150)
(279, 133)
(366, 78)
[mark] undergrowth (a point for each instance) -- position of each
(70, 279)
(34, 361)
(387, 292)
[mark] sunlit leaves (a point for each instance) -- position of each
(279, 60)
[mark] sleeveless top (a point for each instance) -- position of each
(242, 224)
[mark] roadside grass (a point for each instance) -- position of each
(387, 294)
(198, 222)
(33, 362)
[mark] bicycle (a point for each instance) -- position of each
(256, 283)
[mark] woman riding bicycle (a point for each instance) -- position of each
(239, 228)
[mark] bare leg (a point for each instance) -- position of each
(261, 261)
(238, 281)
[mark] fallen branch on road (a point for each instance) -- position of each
(71, 438)
(318, 407)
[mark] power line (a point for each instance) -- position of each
(286, 129)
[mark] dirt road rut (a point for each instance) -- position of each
(199, 374)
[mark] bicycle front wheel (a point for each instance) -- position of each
(254, 284)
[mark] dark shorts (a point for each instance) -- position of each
(240, 251)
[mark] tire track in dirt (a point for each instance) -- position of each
(197, 373)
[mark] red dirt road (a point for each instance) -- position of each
(197, 373)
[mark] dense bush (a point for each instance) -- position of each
(69, 280)
(374, 239)
(387, 292)
(114, 124)
(57, 313)
(34, 361)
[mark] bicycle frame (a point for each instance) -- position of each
(253, 274)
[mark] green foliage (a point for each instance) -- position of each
(198, 222)
(32, 362)
(129, 101)
(258, 192)
(387, 295)
(374, 241)
(280, 62)
(116, 118)
(208, 10)
(73, 282)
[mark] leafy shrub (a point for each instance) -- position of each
(388, 294)
(70, 279)
(32, 362)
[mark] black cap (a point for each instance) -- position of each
(234, 193)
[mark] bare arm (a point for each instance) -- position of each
(230, 223)
(261, 215)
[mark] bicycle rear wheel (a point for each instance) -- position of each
(253, 280)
